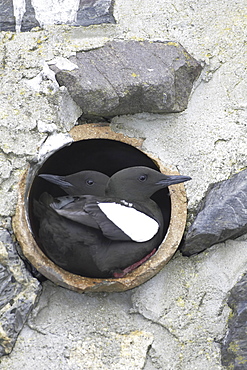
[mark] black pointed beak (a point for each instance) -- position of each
(174, 179)
(58, 180)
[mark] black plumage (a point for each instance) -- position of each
(83, 182)
(103, 236)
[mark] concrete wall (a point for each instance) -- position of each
(177, 319)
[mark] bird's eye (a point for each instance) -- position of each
(143, 178)
(89, 182)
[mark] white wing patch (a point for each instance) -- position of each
(137, 225)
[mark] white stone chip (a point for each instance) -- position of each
(46, 127)
(45, 75)
(52, 144)
(137, 225)
(63, 64)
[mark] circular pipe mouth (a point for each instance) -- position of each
(97, 148)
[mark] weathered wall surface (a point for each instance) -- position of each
(177, 319)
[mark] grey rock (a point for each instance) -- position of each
(234, 346)
(221, 216)
(18, 292)
(7, 18)
(94, 12)
(29, 21)
(131, 77)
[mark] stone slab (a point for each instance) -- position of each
(127, 77)
(7, 18)
(29, 20)
(234, 345)
(221, 215)
(18, 293)
(94, 12)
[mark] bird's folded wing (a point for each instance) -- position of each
(72, 208)
(107, 226)
(122, 222)
(56, 203)
(61, 202)
(117, 221)
(86, 211)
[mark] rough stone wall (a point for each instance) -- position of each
(177, 319)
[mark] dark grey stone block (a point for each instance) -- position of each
(29, 21)
(94, 12)
(222, 215)
(18, 292)
(234, 345)
(7, 18)
(127, 77)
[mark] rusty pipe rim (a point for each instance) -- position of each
(146, 271)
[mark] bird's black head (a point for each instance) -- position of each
(140, 183)
(80, 183)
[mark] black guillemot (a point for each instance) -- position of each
(110, 235)
(79, 183)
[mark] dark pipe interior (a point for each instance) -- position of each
(104, 155)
